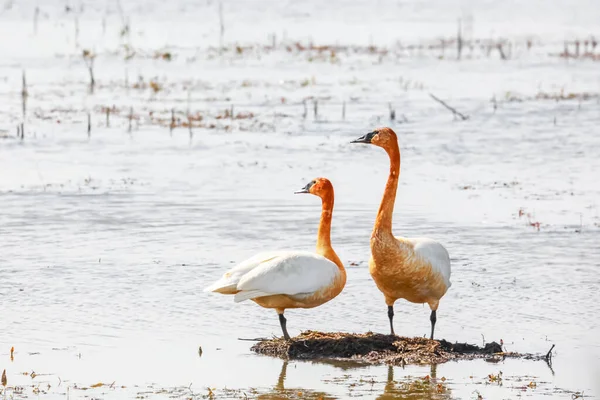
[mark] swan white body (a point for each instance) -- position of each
(296, 274)
(435, 254)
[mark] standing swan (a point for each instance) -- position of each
(290, 279)
(415, 269)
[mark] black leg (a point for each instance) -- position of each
(391, 317)
(282, 322)
(433, 318)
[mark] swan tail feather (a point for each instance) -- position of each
(250, 294)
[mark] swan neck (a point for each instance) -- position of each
(386, 209)
(324, 234)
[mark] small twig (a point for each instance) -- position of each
(130, 117)
(127, 80)
(254, 340)
(24, 94)
(88, 58)
(549, 353)
(392, 112)
(453, 110)
(344, 110)
(459, 40)
(89, 125)
(316, 108)
(501, 51)
(305, 110)
(172, 124)
(107, 117)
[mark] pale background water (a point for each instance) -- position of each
(106, 242)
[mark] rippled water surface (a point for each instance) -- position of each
(107, 240)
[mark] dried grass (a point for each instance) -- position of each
(378, 349)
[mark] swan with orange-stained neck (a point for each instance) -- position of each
(290, 279)
(415, 269)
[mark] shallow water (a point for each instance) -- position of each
(107, 241)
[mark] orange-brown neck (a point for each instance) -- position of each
(383, 222)
(324, 234)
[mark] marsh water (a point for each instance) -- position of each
(107, 238)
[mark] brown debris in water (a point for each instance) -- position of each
(379, 349)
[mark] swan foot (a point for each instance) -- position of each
(391, 317)
(433, 319)
(283, 322)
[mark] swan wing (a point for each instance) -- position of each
(292, 273)
(436, 254)
(228, 282)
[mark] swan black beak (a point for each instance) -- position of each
(305, 189)
(365, 139)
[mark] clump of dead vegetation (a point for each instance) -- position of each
(379, 349)
(581, 49)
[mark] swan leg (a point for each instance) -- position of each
(391, 317)
(282, 322)
(433, 319)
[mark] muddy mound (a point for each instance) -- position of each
(378, 349)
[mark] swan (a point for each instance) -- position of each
(414, 269)
(290, 279)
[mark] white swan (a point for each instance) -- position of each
(290, 279)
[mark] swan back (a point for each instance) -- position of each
(292, 273)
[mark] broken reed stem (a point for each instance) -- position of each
(392, 112)
(459, 40)
(305, 110)
(107, 117)
(344, 110)
(190, 125)
(130, 117)
(549, 353)
(260, 339)
(172, 124)
(89, 124)
(88, 59)
(453, 110)
(92, 80)
(24, 95)
(231, 112)
(501, 51)
(316, 108)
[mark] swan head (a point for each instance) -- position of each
(317, 187)
(381, 137)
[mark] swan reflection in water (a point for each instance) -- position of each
(428, 387)
(280, 392)
(413, 387)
